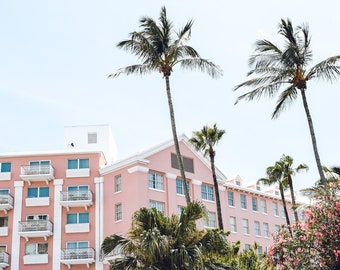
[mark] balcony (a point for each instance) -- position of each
(76, 198)
(76, 256)
(3, 259)
(6, 203)
(35, 228)
(37, 173)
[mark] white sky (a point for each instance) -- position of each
(55, 57)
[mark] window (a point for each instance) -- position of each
(275, 209)
(5, 167)
(243, 199)
(77, 188)
(283, 214)
(75, 164)
(77, 218)
(263, 206)
(230, 198)
(36, 248)
(37, 217)
(257, 228)
(188, 163)
(210, 222)
(232, 221)
(38, 192)
(254, 203)
(259, 251)
(118, 213)
(258, 188)
(77, 245)
(245, 224)
(3, 248)
(180, 186)
(247, 247)
(277, 193)
(207, 193)
(3, 222)
(118, 183)
(265, 229)
(277, 228)
(180, 209)
(4, 191)
(238, 183)
(92, 137)
(159, 206)
(156, 181)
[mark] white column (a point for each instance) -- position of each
(58, 184)
(99, 204)
(18, 199)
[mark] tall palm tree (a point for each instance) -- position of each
(274, 68)
(159, 48)
(205, 140)
(157, 242)
(286, 162)
(275, 176)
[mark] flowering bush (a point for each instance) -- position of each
(315, 243)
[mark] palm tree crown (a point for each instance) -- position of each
(205, 140)
(273, 68)
(160, 48)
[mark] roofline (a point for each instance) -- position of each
(50, 153)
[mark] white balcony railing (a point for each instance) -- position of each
(37, 173)
(76, 198)
(35, 228)
(6, 202)
(3, 259)
(71, 256)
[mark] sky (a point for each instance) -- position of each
(56, 56)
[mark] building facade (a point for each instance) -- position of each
(56, 207)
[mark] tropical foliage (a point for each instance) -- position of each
(205, 140)
(316, 241)
(160, 48)
(273, 68)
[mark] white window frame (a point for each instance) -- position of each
(231, 201)
(263, 205)
(207, 193)
(266, 229)
(233, 226)
(275, 209)
(210, 221)
(257, 228)
(118, 212)
(118, 183)
(245, 226)
(36, 248)
(159, 206)
(254, 204)
(78, 218)
(156, 181)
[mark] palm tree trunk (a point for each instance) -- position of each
(312, 134)
(174, 133)
(285, 208)
(291, 188)
(217, 193)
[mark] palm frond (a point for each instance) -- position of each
(202, 65)
(327, 69)
(141, 69)
(286, 98)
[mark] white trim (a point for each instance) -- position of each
(58, 184)
(18, 187)
(196, 182)
(221, 188)
(99, 227)
(170, 176)
(138, 169)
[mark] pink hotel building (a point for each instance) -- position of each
(56, 207)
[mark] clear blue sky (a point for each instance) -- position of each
(55, 57)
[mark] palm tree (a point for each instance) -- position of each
(286, 163)
(205, 140)
(166, 243)
(160, 48)
(275, 176)
(275, 68)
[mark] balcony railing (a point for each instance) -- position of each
(6, 202)
(76, 198)
(35, 228)
(3, 259)
(37, 173)
(72, 256)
